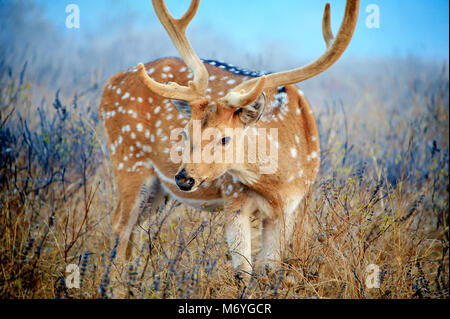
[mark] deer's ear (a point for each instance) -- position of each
(183, 107)
(250, 114)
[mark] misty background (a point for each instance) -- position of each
(269, 35)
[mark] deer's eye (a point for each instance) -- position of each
(226, 140)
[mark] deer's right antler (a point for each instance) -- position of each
(176, 28)
(335, 48)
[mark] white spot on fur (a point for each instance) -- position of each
(147, 148)
(294, 152)
(229, 189)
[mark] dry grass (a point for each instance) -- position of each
(381, 198)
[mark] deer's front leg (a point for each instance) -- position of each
(276, 236)
(238, 234)
(134, 196)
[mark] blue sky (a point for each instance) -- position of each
(417, 27)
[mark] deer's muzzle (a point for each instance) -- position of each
(184, 181)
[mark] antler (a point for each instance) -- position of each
(176, 28)
(335, 48)
(242, 97)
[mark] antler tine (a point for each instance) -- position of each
(190, 13)
(326, 26)
(163, 13)
(242, 98)
(335, 47)
(170, 91)
(176, 28)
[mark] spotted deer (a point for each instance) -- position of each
(141, 107)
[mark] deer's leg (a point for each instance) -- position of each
(152, 195)
(238, 234)
(129, 206)
(275, 238)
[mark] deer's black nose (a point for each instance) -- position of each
(184, 181)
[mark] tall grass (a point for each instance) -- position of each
(381, 196)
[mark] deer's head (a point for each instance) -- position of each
(242, 106)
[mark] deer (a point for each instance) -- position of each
(141, 108)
